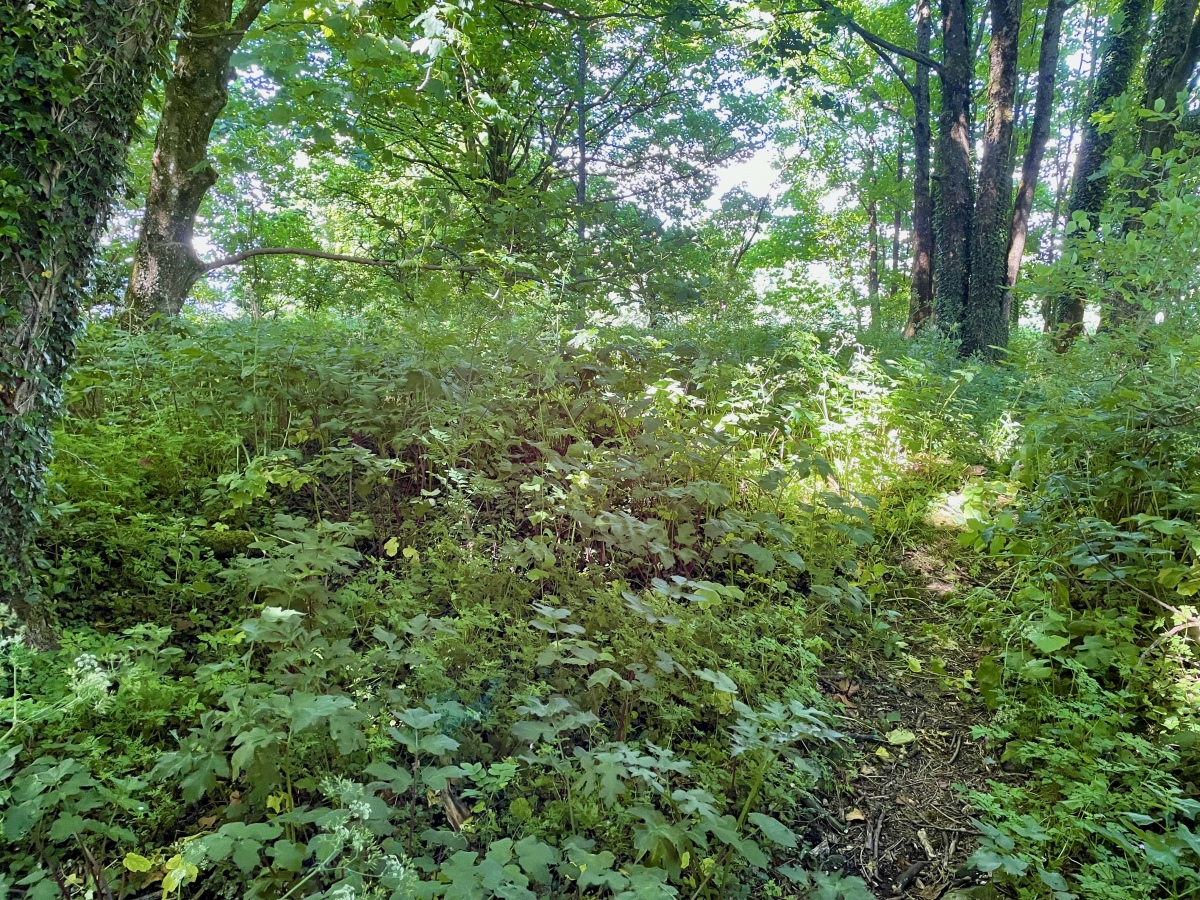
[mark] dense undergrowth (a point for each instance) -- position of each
(351, 613)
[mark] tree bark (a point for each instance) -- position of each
(1039, 133)
(1090, 184)
(872, 239)
(920, 304)
(954, 199)
(581, 135)
(165, 264)
(897, 218)
(62, 151)
(985, 323)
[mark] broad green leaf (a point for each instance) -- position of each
(774, 830)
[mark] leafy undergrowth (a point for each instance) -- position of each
(349, 614)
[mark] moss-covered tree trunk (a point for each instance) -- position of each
(1039, 133)
(920, 305)
(72, 79)
(985, 320)
(165, 264)
(1089, 185)
(954, 199)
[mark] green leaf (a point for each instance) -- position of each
(764, 559)
(135, 862)
(66, 826)
(246, 855)
(774, 830)
(288, 856)
(718, 680)
(536, 857)
(752, 853)
(398, 780)
(1048, 643)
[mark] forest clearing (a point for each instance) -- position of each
(631, 449)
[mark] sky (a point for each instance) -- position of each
(757, 173)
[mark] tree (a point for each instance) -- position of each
(165, 264)
(1039, 133)
(954, 198)
(921, 298)
(1170, 64)
(985, 319)
(62, 152)
(1090, 184)
(872, 205)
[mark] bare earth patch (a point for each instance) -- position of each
(903, 823)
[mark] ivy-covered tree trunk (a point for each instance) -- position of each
(165, 264)
(985, 320)
(1089, 185)
(954, 200)
(1039, 133)
(72, 79)
(1170, 64)
(920, 305)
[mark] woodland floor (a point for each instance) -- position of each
(900, 818)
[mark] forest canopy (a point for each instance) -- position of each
(599, 448)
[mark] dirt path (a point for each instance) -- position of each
(901, 801)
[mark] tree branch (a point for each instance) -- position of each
(877, 42)
(238, 258)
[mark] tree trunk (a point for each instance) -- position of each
(62, 147)
(165, 265)
(954, 200)
(872, 239)
(985, 323)
(897, 218)
(581, 135)
(920, 304)
(1039, 133)
(1090, 185)
(1170, 63)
